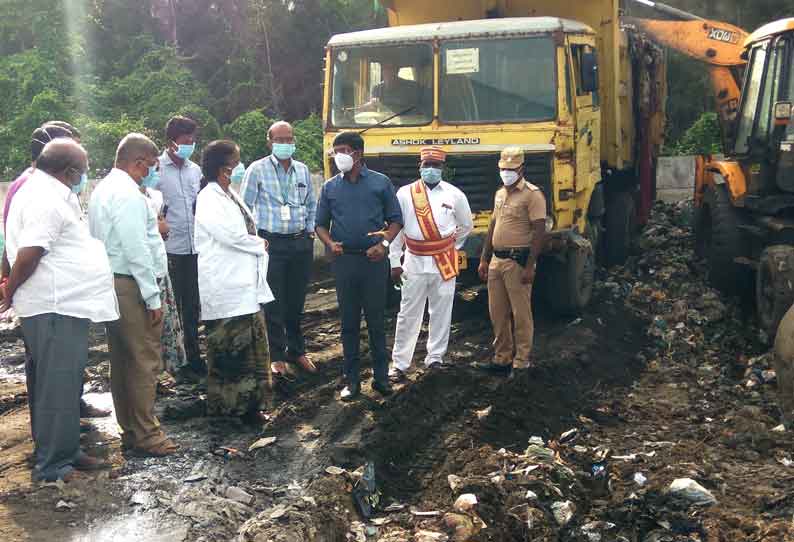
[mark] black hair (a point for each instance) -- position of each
(178, 126)
(58, 158)
(353, 139)
(63, 124)
(215, 156)
(43, 135)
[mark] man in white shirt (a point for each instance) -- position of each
(60, 281)
(119, 217)
(437, 221)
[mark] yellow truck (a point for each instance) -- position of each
(583, 96)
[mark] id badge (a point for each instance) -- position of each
(285, 213)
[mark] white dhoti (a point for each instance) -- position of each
(419, 290)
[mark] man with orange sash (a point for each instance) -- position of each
(437, 221)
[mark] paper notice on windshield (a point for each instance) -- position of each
(460, 61)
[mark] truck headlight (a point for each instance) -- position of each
(549, 223)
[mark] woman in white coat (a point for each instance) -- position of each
(232, 271)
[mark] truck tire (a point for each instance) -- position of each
(774, 287)
(620, 225)
(723, 242)
(570, 281)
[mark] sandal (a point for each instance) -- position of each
(165, 448)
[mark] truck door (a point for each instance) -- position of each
(584, 67)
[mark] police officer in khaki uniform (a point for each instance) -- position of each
(515, 239)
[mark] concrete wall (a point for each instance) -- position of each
(675, 178)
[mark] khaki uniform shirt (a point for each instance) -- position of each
(514, 213)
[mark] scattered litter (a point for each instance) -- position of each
(239, 495)
(465, 502)
(569, 435)
(366, 495)
(484, 413)
(143, 498)
(65, 505)
(425, 514)
(278, 511)
(537, 441)
(454, 481)
(394, 507)
(640, 479)
(335, 471)
(531, 495)
(785, 461)
(261, 443)
(692, 491)
(540, 453)
(430, 536)
(563, 512)
(779, 428)
(227, 452)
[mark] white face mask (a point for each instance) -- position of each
(344, 162)
(509, 177)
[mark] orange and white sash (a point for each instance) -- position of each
(442, 249)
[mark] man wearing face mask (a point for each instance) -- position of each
(60, 281)
(357, 217)
(119, 217)
(514, 242)
(180, 180)
(278, 190)
(437, 221)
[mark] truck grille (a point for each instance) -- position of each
(477, 175)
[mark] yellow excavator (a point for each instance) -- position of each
(744, 220)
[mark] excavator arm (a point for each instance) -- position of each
(718, 45)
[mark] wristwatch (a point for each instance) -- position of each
(385, 243)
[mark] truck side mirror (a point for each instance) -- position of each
(589, 72)
(783, 112)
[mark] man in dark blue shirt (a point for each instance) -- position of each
(357, 217)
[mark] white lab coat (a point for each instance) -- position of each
(232, 264)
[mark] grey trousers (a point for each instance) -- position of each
(59, 352)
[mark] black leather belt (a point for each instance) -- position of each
(266, 234)
(520, 255)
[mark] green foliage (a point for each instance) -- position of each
(703, 137)
(101, 138)
(249, 130)
(309, 142)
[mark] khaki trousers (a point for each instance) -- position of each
(135, 363)
(510, 306)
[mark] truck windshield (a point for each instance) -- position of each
(371, 84)
(498, 80)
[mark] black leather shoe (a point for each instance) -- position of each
(383, 389)
(350, 392)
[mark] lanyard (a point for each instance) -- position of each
(284, 189)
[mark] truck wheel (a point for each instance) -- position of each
(620, 226)
(723, 242)
(571, 280)
(774, 287)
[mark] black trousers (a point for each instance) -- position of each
(361, 285)
(183, 270)
(288, 273)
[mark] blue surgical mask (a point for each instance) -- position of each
(283, 151)
(430, 175)
(185, 151)
(79, 187)
(237, 173)
(152, 178)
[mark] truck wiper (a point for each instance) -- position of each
(387, 119)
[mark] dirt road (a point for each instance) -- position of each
(646, 390)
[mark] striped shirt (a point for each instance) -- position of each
(267, 188)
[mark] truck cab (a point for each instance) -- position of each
(475, 87)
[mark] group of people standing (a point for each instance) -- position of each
(167, 243)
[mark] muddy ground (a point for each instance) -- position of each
(661, 379)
